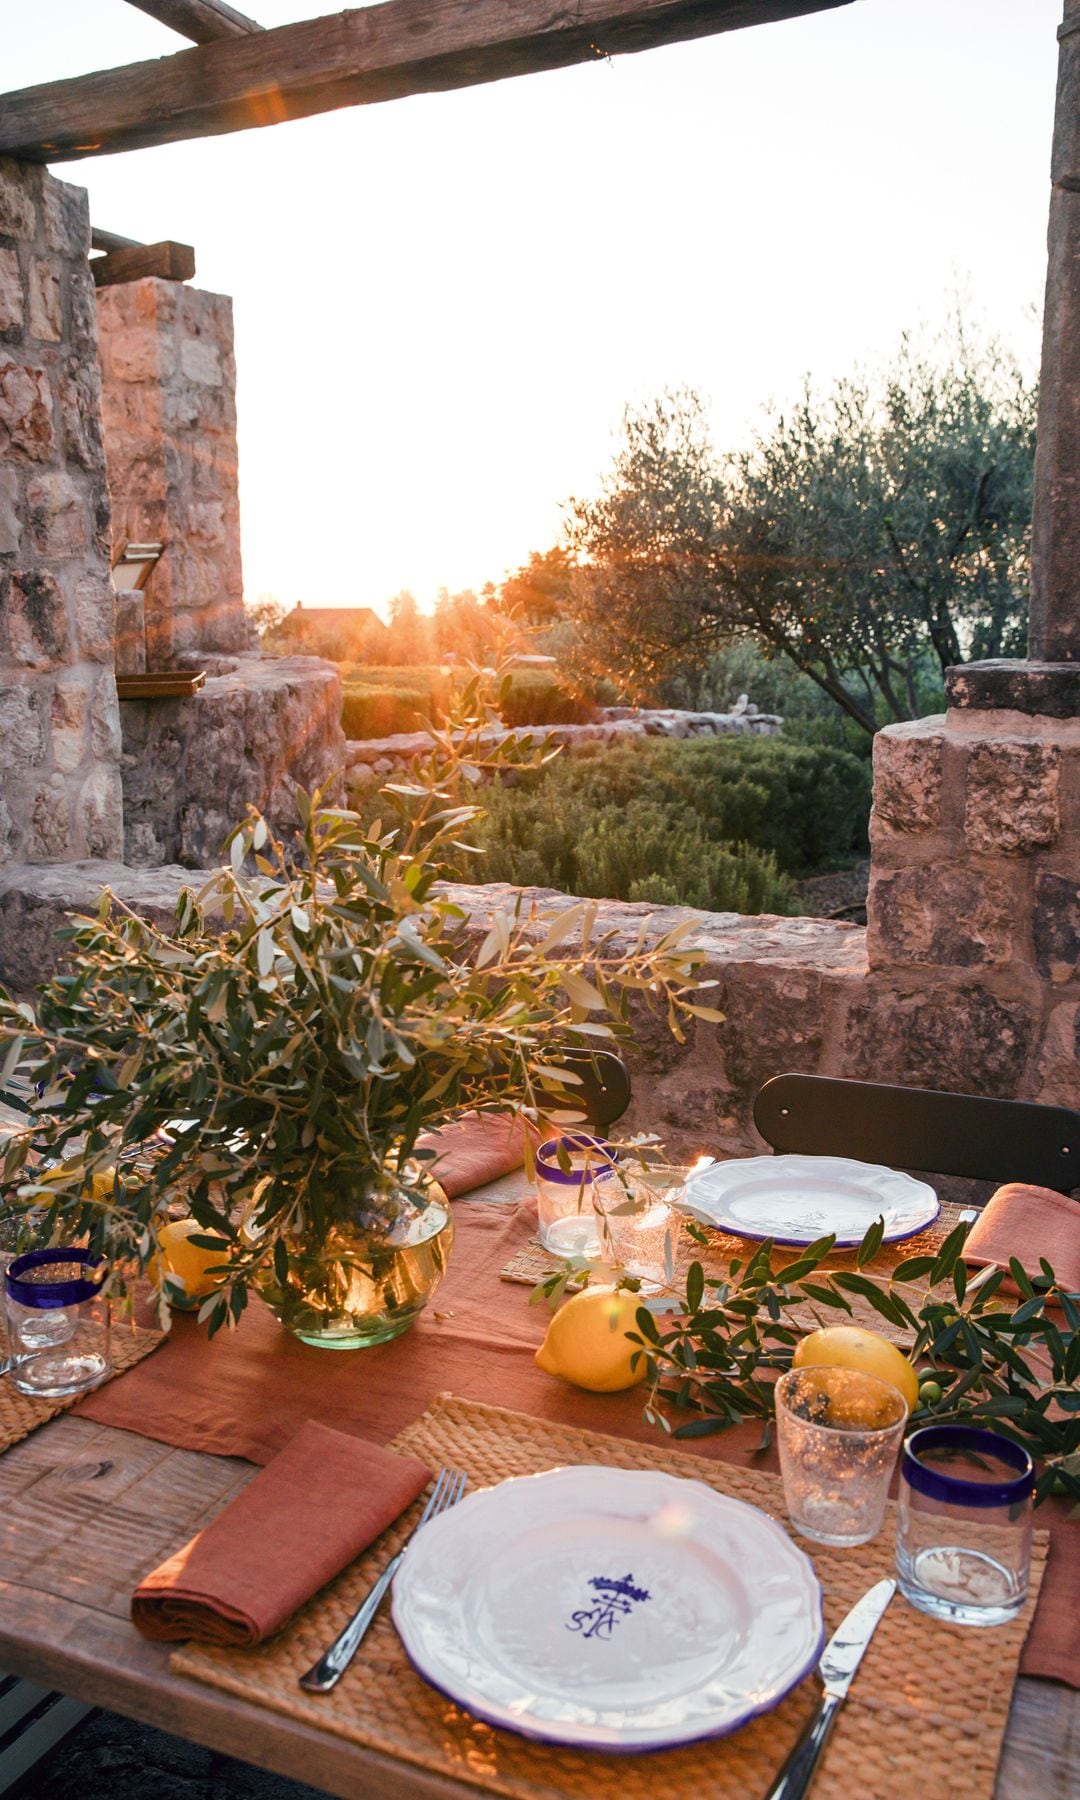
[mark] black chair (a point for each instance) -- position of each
(604, 1091)
(921, 1128)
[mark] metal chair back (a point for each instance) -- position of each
(922, 1128)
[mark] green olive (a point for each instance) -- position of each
(929, 1392)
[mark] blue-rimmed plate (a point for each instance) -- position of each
(612, 1609)
(798, 1199)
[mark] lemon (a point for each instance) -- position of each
(187, 1264)
(852, 1347)
(103, 1180)
(586, 1341)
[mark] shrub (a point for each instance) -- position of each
(806, 804)
(379, 702)
(551, 833)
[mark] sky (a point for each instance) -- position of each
(443, 304)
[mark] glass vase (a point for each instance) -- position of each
(367, 1279)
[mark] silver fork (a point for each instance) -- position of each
(327, 1672)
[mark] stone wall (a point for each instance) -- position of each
(974, 906)
(59, 724)
(192, 767)
(370, 760)
(169, 403)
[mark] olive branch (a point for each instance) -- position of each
(1008, 1363)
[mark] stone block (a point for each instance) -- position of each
(18, 186)
(908, 764)
(94, 610)
(69, 705)
(962, 1038)
(65, 217)
(105, 719)
(775, 1023)
(200, 361)
(9, 837)
(9, 514)
(82, 311)
(11, 291)
(80, 416)
(940, 916)
(1057, 1080)
(1056, 927)
(50, 823)
(101, 810)
(33, 621)
(26, 425)
(56, 514)
(22, 732)
(133, 354)
(46, 307)
(1012, 801)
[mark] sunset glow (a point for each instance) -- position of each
(443, 303)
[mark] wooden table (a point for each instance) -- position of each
(85, 1510)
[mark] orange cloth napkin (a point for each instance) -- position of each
(475, 1149)
(311, 1511)
(1028, 1223)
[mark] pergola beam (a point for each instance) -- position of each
(350, 59)
(203, 21)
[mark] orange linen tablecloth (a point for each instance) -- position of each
(246, 1393)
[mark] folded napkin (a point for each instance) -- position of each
(1028, 1223)
(322, 1500)
(477, 1148)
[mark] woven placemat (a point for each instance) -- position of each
(531, 1264)
(20, 1414)
(927, 1714)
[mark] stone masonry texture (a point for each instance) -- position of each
(59, 718)
(797, 994)
(169, 405)
(974, 906)
(259, 726)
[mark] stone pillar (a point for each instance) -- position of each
(59, 719)
(1054, 626)
(169, 405)
(974, 908)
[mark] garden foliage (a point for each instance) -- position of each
(715, 823)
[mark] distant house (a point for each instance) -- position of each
(340, 632)
(354, 620)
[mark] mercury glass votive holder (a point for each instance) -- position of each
(838, 1432)
(640, 1228)
(58, 1321)
(963, 1535)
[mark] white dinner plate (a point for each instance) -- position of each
(612, 1609)
(797, 1199)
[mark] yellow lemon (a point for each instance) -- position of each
(586, 1341)
(103, 1180)
(187, 1263)
(852, 1347)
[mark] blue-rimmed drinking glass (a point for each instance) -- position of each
(963, 1536)
(564, 1197)
(58, 1323)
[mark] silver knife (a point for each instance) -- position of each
(839, 1660)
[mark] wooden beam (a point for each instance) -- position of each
(110, 240)
(350, 59)
(172, 262)
(203, 21)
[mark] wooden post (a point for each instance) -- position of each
(1054, 623)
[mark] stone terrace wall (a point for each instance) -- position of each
(370, 759)
(59, 725)
(798, 994)
(169, 402)
(192, 767)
